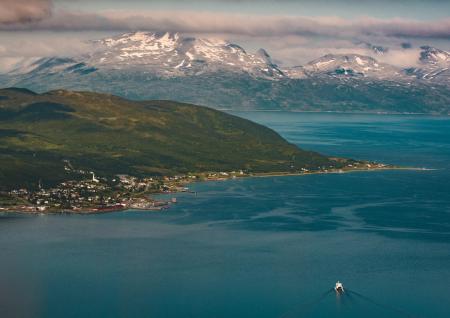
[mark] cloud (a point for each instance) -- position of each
(232, 23)
(291, 56)
(40, 44)
(401, 57)
(292, 53)
(292, 40)
(19, 12)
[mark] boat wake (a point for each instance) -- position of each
(400, 312)
(351, 295)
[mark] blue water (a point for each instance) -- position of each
(261, 247)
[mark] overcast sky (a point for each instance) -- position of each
(293, 32)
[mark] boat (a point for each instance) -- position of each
(339, 288)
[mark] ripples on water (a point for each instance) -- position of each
(258, 247)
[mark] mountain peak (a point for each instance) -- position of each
(377, 49)
(130, 39)
(350, 65)
(332, 60)
(171, 54)
(264, 55)
(433, 55)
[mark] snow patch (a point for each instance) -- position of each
(323, 63)
(360, 61)
(179, 65)
(190, 56)
(442, 56)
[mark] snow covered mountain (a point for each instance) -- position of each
(431, 55)
(434, 66)
(347, 65)
(217, 73)
(172, 55)
(342, 66)
(169, 54)
(164, 54)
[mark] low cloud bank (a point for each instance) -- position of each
(39, 18)
(15, 13)
(291, 40)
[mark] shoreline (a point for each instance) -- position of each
(264, 175)
(338, 112)
(94, 211)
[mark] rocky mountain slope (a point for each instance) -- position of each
(170, 54)
(162, 54)
(143, 65)
(434, 66)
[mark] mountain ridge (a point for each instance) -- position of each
(112, 135)
(169, 53)
(143, 65)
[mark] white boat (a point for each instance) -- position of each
(339, 288)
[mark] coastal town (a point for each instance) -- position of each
(97, 195)
(94, 194)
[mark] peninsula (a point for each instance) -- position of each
(89, 152)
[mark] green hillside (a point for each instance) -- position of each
(111, 135)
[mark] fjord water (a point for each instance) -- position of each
(258, 247)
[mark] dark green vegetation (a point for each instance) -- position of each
(40, 134)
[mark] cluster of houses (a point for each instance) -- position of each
(69, 195)
(101, 194)
(94, 193)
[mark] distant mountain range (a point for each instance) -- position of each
(223, 75)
